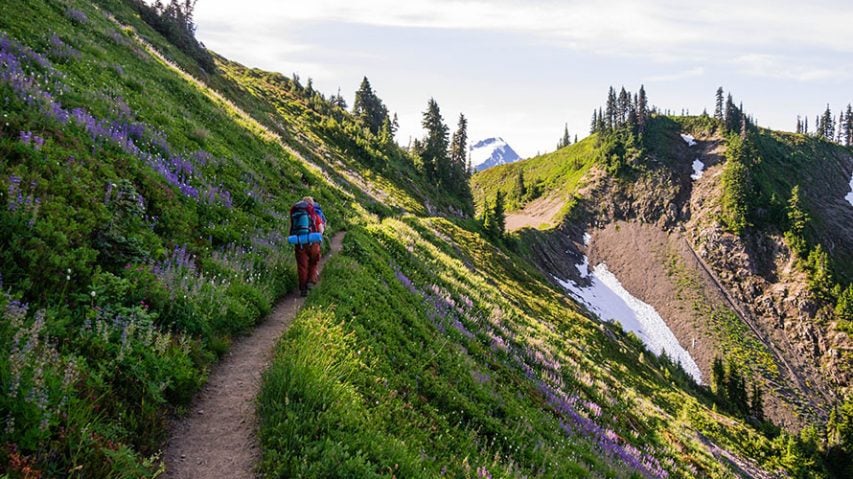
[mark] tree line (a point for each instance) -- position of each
(622, 111)
(442, 158)
(174, 20)
(838, 129)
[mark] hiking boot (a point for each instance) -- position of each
(303, 293)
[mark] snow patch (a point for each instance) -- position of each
(688, 139)
(849, 196)
(698, 169)
(607, 298)
(586, 238)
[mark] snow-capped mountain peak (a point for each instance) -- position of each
(491, 152)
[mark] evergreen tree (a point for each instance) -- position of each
(642, 110)
(435, 159)
(736, 388)
(593, 125)
(611, 109)
(820, 277)
(338, 100)
(718, 109)
(828, 126)
(386, 133)
(175, 21)
(520, 187)
(369, 108)
(499, 215)
(718, 377)
(576, 138)
(602, 125)
(799, 124)
(756, 402)
(623, 105)
(806, 125)
(565, 140)
(459, 157)
(848, 126)
(736, 183)
(797, 222)
(839, 130)
(486, 217)
(731, 119)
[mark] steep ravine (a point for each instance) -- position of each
(717, 293)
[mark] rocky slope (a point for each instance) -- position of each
(659, 233)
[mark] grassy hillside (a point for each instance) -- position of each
(142, 227)
(557, 173)
(143, 218)
(816, 166)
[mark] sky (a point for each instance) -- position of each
(522, 69)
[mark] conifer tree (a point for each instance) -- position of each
(642, 109)
(520, 187)
(718, 109)
(499, 215)
(756, 402)
(611, 109)
(486, 217)
(827, 124)
(565, 140)
(435, 159)
(736, 388)
(798, 219)
(623, 104)
(459, 157)
(386, 133)
(806, 125)
(848, 126)
(718, 377)
(730, 115)
(369, 108)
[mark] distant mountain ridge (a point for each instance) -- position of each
(492, 152)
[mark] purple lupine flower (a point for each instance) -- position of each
(16, 310)
(61, 50)
(77, 16)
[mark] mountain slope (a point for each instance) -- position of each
(491, 152)
(660, 220)
(144, 221)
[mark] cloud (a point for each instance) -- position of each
(788, 68)
(616, 26)
(691, 73)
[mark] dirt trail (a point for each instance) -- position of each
(217, 438)
(538, 212)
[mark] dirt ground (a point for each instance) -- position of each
(542, 211)
(217, 438)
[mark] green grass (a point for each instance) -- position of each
(425, 350)
(558, 173)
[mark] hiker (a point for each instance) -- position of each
(307, 224)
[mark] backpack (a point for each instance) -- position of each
(302, 219)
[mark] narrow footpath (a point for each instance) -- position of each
(217, 438)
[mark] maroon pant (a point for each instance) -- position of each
(307, 258)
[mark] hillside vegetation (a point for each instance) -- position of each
(144, 216)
